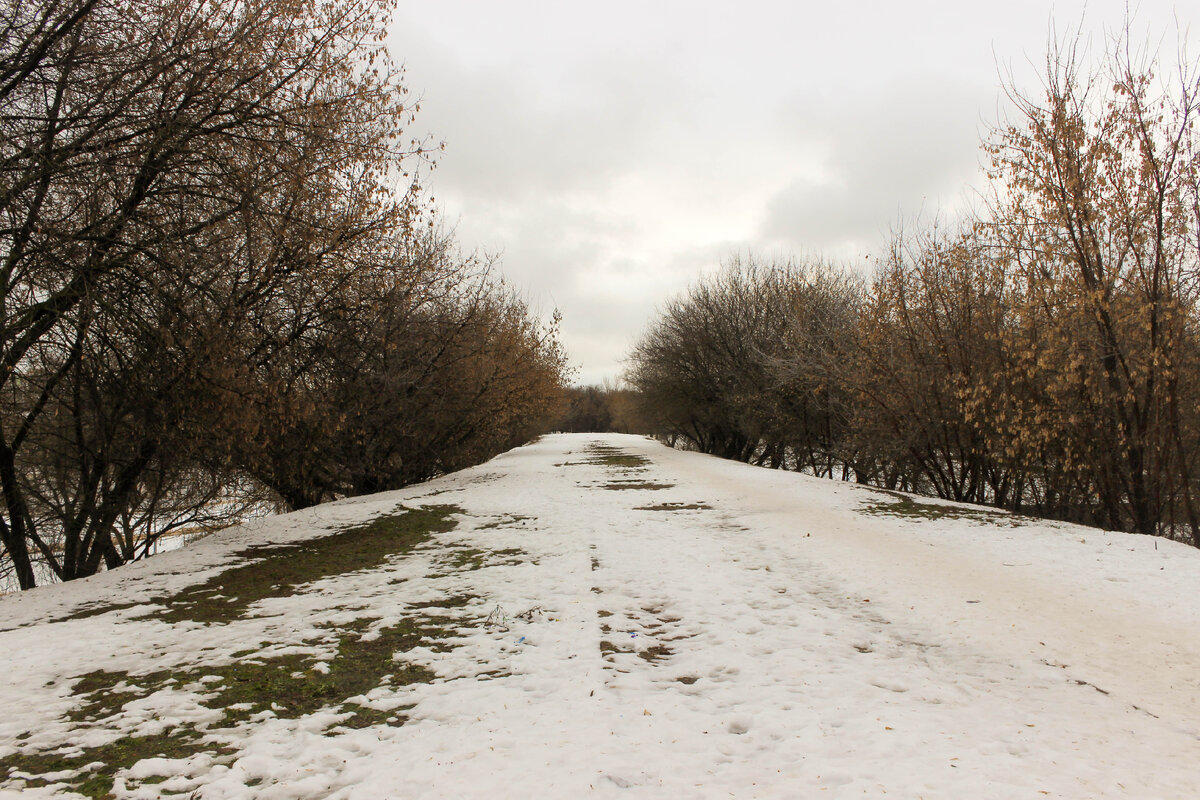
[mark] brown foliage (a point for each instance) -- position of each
(1098, 225)
(201, 240)
(741, 366)
(442, 369)
(602, 409)
(1043, 358)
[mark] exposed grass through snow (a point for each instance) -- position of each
(258, 683)
(276, 570)
(908, 508)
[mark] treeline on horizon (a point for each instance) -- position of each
(222, 285)
(1042, 356)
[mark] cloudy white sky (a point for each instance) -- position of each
(614, 152)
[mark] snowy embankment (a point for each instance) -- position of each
(601, 616)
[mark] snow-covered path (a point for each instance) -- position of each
(698, 629)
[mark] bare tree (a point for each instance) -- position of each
(425, 375)
(734, 367)
(183, 159)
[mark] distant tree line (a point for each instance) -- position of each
(1043, 357)
(603, 408)
(220, 284)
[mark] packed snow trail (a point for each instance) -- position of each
(633, 621)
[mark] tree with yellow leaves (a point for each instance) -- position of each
(1096, 213)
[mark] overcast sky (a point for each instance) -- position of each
(614, 152)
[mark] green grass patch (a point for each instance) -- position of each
(84, 612)
(365, 717)
(454, 601)
(94, 611)
(303, 680)
(276, 570)
(905, 507)
(102, 698)
(289, 686)
(98, 782)
(469, 559)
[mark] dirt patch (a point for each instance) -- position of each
(633, 484)
(675, 507)
(507, 521)
(605, 455)
(656, 653)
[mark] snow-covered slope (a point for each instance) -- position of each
(612, 618)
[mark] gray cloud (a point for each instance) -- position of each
(615, 153)
(513, 134)
(893, 153)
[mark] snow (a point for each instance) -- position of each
(778, 640)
